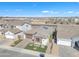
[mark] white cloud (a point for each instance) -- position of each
(50, 12)
(70, 12)
(16, 10)
(45, 11)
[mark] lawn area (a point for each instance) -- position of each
(36, 47)
(16, 42)
(2, 37)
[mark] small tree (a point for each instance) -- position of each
(50, 38)
(55, 22)
(61, 22)
(77, 23)
(33, 40)
(40, 43)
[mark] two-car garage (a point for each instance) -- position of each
(64, 42)
(73, 42)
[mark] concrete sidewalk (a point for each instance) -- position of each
(48, 48)
(52, 49)
(55, 50)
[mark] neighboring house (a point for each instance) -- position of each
(67, 35)
(24, 27)
(13, 34)
(9, 35)
(75, 39)
(76, 20)
(1, 26)
(6, 26)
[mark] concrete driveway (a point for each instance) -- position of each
(6, 42)
(65, 51)
(23, 43)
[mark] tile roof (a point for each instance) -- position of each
(15, 31)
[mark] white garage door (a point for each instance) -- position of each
(66, 43)
(9, 36)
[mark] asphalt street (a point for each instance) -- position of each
(9, 53)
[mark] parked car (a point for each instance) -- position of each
(42, 55)
(77, 44)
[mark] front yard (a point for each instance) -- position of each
(2, 36)
(36, 47)
(16, 42)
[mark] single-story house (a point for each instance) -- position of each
(40, 34)
(24, 27)
(67, 35)
(13, 34)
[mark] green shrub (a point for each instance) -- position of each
(16, 42)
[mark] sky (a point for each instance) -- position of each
(39, 9)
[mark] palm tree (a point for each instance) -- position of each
(50, 40)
